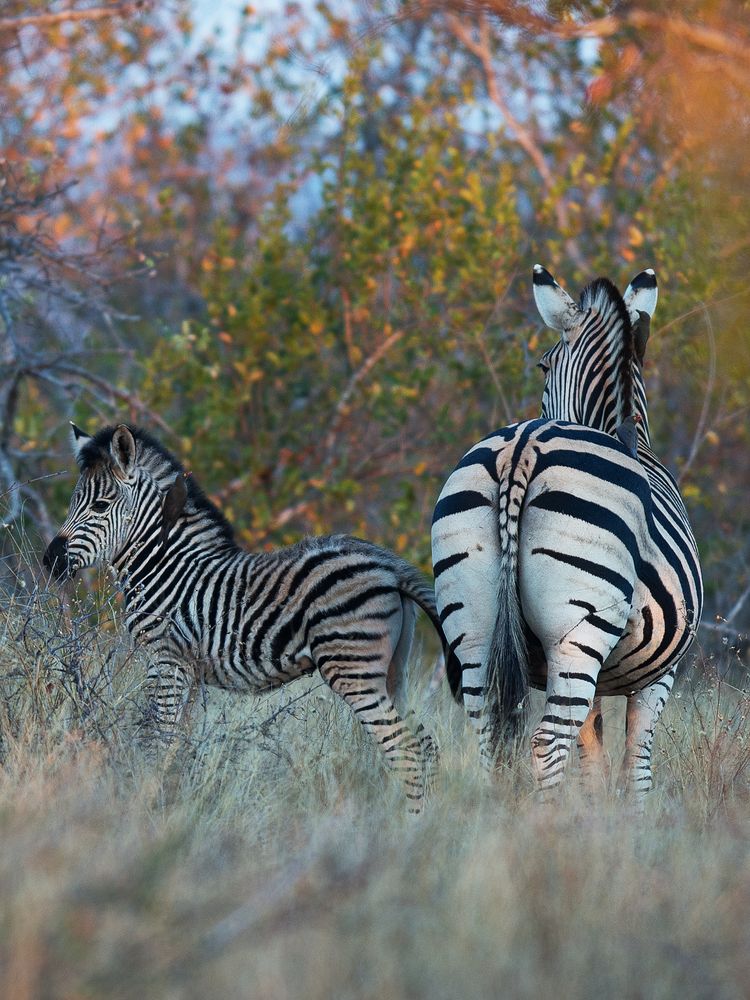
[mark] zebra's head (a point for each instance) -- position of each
(592, 375)
(118, 501)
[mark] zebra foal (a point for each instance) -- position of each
(202, 607)
(562, 551)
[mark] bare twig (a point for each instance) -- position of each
(700, 307)
(707, 38)
(102, 385)
(341, 410)
(491, 367)
(700, 430)
(724, 624)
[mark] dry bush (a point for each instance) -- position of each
(269, 854)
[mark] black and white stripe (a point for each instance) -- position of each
(204, 608)
(562, 550)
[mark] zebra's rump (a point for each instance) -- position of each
(589, 535)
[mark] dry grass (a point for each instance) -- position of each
(270, 854)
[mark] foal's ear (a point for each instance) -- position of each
(122, 450)
(173, 506)
(555, 306)
(79, 440)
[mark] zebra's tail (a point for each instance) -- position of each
(508, 667)
(413, 585)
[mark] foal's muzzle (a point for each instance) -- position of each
(56, 558)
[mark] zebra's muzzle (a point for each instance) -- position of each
(56, 559)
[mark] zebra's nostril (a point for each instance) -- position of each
(56, 557)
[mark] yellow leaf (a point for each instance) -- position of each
(419, 468)
(635, 236)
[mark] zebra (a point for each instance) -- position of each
(562, 551)
(205, 609)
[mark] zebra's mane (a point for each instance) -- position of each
(606, 299)
(161, 463)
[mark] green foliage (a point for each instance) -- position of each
(319, 349)
(327, 220)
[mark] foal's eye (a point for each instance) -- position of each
(543, 365)
(99, 506)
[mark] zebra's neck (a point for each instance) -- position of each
(607, 400)
(604, 378)
(150, 558)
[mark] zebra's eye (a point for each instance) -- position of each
(543, 365)
(99, 506)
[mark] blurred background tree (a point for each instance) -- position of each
(296, 243)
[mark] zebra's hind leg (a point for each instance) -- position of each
(575, 649)
(643, 711)
(363, 688)
(572, 670)
(591, 756)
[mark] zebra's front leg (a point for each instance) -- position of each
(643, 711)
(169, 682)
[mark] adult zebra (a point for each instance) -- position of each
(562, 551)
(203, 607)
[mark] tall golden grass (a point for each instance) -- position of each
(270, 855)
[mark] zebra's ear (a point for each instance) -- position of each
(122, 451)
(641, 294)
(79, 440)
(555, 306)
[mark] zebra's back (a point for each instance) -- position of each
(254, 621)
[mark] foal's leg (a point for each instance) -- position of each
(357, 670)
(169, 680)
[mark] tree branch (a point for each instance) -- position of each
(50, 20)
(602, 27)
(480, 48)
